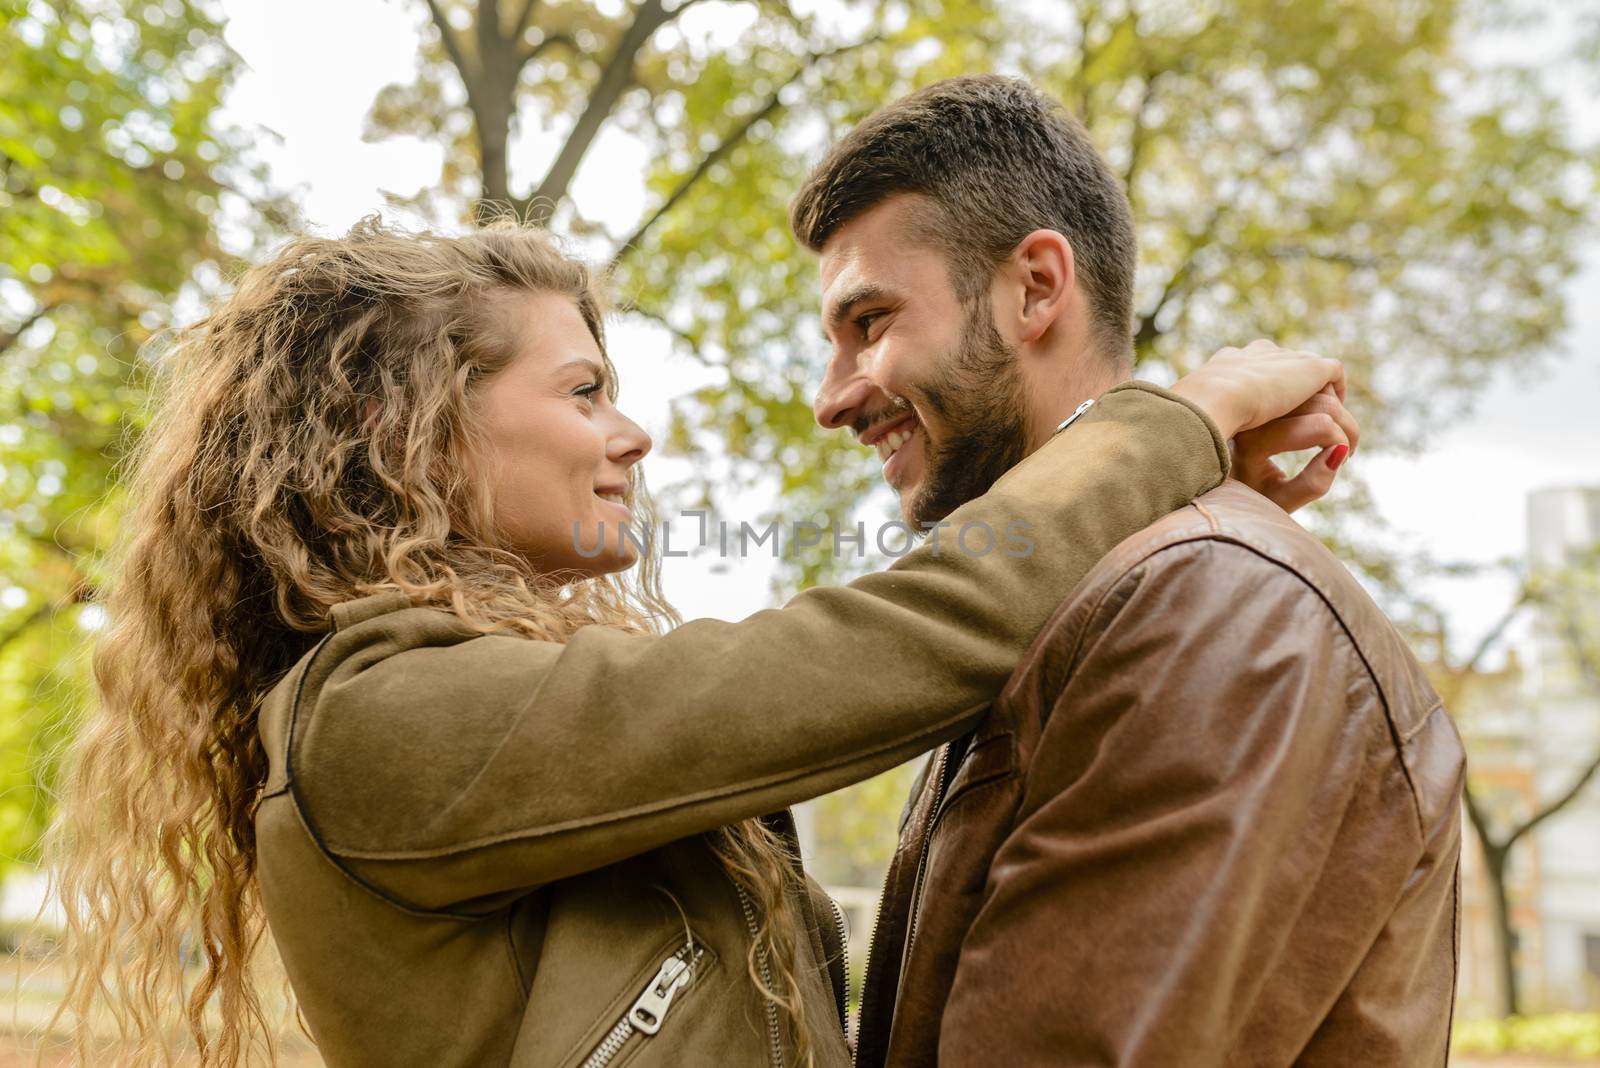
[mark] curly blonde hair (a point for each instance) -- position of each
(268, 488)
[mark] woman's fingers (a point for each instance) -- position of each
(1322, 423)
(1290, 433)
(1312, 483)
(1331, 401)
(1318, 423)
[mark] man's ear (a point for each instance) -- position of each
(1046, 273)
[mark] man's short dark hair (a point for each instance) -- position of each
(998, 160)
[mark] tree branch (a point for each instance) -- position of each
(1349, 259)
(522, 19)
(487, 30)
(1492, 636)
(10, 337)
(1147, 332)
(1591, 674)
(662, 321)
(452, 46)
(1137, 138)
(615, 79)
(1085, 57)
(42, 611)
(773, 104)
(1555, 806)
(535, 51)
(1478, 817)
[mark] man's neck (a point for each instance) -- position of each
(1062, 388)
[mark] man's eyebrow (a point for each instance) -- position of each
(846, 302)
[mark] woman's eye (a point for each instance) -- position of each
(587, 392)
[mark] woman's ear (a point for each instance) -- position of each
(1046, 271)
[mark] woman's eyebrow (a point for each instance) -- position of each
(588, 365)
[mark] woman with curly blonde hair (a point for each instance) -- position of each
(375, 679)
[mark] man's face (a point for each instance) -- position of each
(921, 377)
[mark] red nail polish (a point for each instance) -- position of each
(1336, 457)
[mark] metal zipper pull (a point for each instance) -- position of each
(648, 1012)
(645, 1015)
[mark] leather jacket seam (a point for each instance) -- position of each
(1423, 721)
(1110, 584)
(1455, 957)
(1011, 770)
(1378, 691)
(1136, 569)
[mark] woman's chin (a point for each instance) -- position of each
(613, 563)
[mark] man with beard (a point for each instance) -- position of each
(1212, 819)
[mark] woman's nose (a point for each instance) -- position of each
(629, 443)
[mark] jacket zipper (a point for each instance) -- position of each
(941, 786)
(774, 1038)
(943, 758)
(644, 1016)
(844, 961)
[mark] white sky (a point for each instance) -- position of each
(315, 67)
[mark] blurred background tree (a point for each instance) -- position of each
(1342, 175)
(1506, 720)
(115, 187)
(1335, 175)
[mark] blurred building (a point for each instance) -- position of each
(1532, 727)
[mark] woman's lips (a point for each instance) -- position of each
(616, 501)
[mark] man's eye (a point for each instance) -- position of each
(864, 322)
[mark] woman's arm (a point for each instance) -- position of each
(441, 766)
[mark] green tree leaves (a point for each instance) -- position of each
(115, 181)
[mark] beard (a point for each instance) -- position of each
(978, 393)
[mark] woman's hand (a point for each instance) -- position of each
(1241, 389)
(1320, 423)
(1272, 400)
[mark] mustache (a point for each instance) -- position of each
(897, 409)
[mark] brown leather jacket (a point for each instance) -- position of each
(1212, 820)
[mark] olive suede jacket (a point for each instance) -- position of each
(486, 850)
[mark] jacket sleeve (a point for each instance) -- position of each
(1216, 741)
(438, 767)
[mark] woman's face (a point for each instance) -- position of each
(559, 450)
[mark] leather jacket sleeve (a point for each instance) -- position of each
(439, 767)
(1215, 738)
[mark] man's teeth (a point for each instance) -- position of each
(891, 442)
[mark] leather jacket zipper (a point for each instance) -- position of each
(844, 961)
(943, 758)
(774, 1037)
(941, 787)
(645, 1015)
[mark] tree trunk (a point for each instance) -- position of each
(1494, 870)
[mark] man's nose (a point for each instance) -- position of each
(844, 389)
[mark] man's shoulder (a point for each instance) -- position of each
(1232, 515)
(1210, 558)
(1232, 540)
